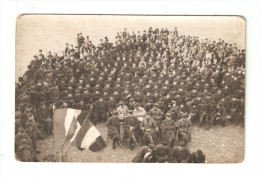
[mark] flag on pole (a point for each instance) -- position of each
(76, 127)
(65, 122)
(88, 137)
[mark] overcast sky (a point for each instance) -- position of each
(51, 32)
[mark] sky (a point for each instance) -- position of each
(51, 32)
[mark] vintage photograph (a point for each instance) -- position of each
(130, 88)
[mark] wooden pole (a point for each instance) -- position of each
(53, 133)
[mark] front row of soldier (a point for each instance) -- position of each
(133, 127)
(162, 153)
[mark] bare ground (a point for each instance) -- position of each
(220, 144)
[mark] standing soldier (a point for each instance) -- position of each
(184, 129)
(113, 129)
(169, 129)
(44, 119)
(100, 110)
(156, 114)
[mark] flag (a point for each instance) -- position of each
(65, 123)
(88, 137)
(76, 127)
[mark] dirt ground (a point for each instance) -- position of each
(220, 145)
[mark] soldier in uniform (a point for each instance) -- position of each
(145, 155)
(100, 110)
(169, 130)
(21, 135)
(184, 129)
(161, 152)
(25, 153)
(156, 114)
(131, 129)
(149, 128)
(138, 97)
(44, 119)
(122, 109)
(198, 157)
(113, 129)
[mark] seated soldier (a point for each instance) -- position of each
(25, 152)
(161, 152)
(179, 154)
(139, 112)
(169, 129)
(156, 114)
(122, 113)
(145, 155)
(184, 129)
(149, 128)
(131, 128)
(122, 110)
(113, 129)
(198, 157)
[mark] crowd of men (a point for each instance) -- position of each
(158, 75)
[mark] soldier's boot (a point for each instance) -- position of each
(131, 142)
(171, 143)
(114, 144)
(118, 142)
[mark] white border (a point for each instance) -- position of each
(10, 168)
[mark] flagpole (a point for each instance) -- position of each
(65, 139)
(53, 133)
(76, 135)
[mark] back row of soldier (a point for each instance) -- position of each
(181, 74)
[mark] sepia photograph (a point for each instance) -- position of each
(130, 88)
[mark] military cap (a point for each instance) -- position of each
(168, 114)
(21, 129)
(151, 146)
(156, 104)
(121, 103)
(114, 112)
(184, 114)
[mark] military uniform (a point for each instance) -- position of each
(184, 129)
(149, 128)
(113, 129)
(161, 153)
(100, 111)
(131, 129)
(169, 130)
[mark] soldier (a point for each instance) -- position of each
(198, 157)
(100, 110)
(149, 128)
(131, 128)
(116, 96)
(19, 137)
(145, 155)
(169, 130)
(174, 110)
(184, 129)
(161, 152)
(131, 104)
(156, 114)
(113, 129)
(122, 110)
(25, 153)
(138, 97)
(44, 119)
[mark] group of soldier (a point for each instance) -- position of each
(164, 76)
